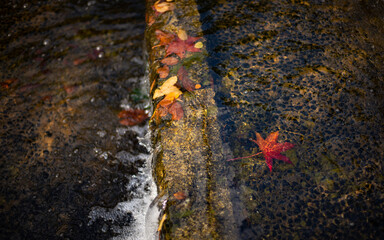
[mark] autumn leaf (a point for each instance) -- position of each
(132, 117)
(162, 7)
(176, 110)
(179, 46)
(186, 83)
(163, 37)
(161, 111)
(167, 88)
(170, 61)
(180, 195)
(182, 34)
(172, 95)
(150, 19)
(199, 45)
(168, 106)
(163, 71)
(271, 149)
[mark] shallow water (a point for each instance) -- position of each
(69, 169)
(312, 70)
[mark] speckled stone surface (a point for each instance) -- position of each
(313, 71)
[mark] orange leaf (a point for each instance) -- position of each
(132, 117)
(179, 195)
(150, 19)
(164, 38)
(165, 103)
(170, 61)
(173, 95)
(163, 71)
(162, 7)
(162, 111)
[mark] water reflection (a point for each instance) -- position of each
(67, 69)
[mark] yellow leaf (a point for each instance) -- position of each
(182, 34)
(162, 222)
(167, 88)
(199, 45)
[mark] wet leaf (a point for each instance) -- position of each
(179, 46)
(163, 71)
(165, 103)
(162, 7)
(163, 37)
(150, 19)
(167, 106)
(162, 111)
(162, 222)
(272, 149)
(186, 83)
(132, 117)
(176, 110)
(172, 95)
(170, 61)
(182, 34)
(199, 45)
(180, 195)
(167, 87)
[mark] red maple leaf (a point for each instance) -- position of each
(271, 149)
(179, 47)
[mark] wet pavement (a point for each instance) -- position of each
(67, 69)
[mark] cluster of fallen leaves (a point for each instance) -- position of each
(176, 47)
(271, 149)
